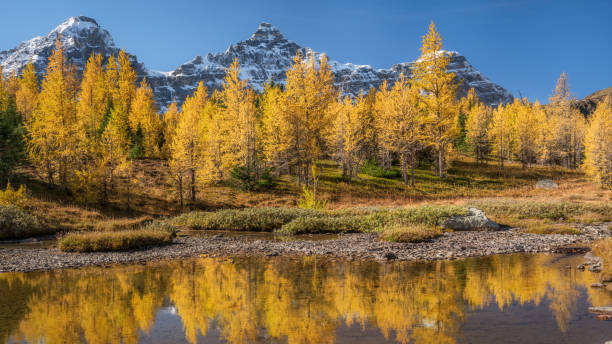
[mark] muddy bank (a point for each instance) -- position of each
(451, 245)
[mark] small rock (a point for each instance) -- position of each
(595, 267)
(604, 317)
(605, 277)
(591, 258)
(580, 267)
(598, 285)
(546, 184)
(390, 256)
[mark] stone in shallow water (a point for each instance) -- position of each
(476, 220)
(546, 184)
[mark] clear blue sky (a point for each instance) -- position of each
(521, 45)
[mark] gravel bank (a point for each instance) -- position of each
(451, 245)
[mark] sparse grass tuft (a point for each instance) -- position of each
(539, 227)
(15, 223)
(410, 233)
(119, 224)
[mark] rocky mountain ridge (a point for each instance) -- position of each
(264, 57)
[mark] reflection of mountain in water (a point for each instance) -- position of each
(301, 301)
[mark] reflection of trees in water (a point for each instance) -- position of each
(302, 301)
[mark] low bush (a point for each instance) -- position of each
(15, 223)
(114, 241)
(248, 219)
(426, 215)
(555, 211)
(293, 221)
(327, 224)
(410, 233)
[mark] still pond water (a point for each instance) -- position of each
(500, 299)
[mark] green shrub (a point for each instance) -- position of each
(249, 181)
(16, 223)
(327, 224)
(248, 219)
(410, 233)
(114, 241)
(374, 169)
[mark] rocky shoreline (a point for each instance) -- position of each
(452, 245)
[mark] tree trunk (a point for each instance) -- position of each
(193, 186)
(441, 163)
(405, 167)
(412, 168)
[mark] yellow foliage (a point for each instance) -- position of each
(144, 116)
(27, 92)
(439, 91)
(401, 121)
(598, 145)
(17, 197)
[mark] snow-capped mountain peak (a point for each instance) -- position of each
(265, 56)
(267, 32)
(80, 36)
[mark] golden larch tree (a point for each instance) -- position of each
(305, 120)
(439, 91)
(564, 140)
(478, 130)
(527, 130)
(401, 122)
(272, 138)
(502, 133)
(27, 92)
(144, 118)
(170, 120)
(187, 146)
(239, 124)
(349, 133)
(52, 126)
(598, 145)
